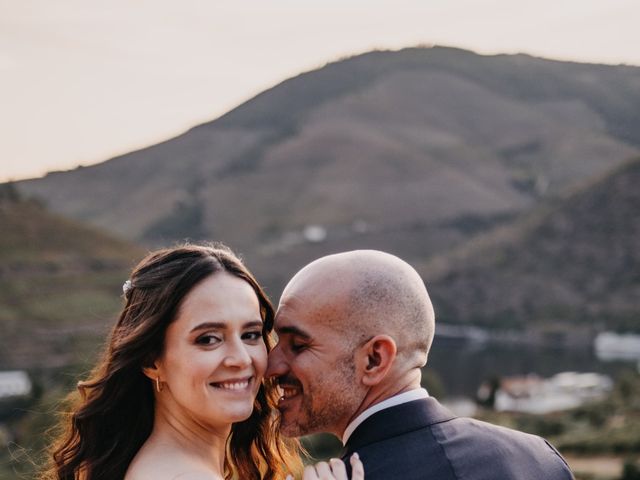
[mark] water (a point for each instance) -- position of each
(463, 365)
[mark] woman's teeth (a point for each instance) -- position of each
(232, 385)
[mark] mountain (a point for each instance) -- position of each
(575, 261)
(60, 285)
(413, 152)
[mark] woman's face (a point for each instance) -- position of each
(214, 355)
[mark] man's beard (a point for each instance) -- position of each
(339, 402)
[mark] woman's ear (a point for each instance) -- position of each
(152, 371)
(377, 357)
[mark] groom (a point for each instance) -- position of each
(354, 331)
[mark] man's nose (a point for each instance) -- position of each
(276, 365)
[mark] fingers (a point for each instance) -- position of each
(310, 473)
(357, 469)
(324, 471)
(334, 470)
(338, 468)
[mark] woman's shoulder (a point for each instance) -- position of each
(194, 475)
(161, 464)
(176, 471)
(197, 476)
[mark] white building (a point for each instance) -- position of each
(563, 391)
(14, 383)
(616, 346)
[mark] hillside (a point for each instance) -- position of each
(60, 285)
(575, 261)
(411, 151)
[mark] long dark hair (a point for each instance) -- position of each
(112, 414)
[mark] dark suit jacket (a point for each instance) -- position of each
(422, 440)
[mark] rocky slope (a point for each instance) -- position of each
(575, 262)
(409, 151)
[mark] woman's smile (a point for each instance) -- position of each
(236, 385)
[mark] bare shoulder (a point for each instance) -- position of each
(159, 464)
(176, 472)
(197, 476)
(192, 475)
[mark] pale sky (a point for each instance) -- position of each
(82, 81)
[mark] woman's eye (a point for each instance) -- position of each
(257, 335)
(208, 340)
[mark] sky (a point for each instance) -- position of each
(82, 81)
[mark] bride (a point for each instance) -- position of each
(180, 391)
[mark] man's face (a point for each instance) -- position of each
(314, 367)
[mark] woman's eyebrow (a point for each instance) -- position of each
(222, 325)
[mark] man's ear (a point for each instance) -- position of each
(377, 357)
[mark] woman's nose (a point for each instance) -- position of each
(237, 355)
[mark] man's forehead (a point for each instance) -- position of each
(289, 303)
(309, 316)
(291, 312)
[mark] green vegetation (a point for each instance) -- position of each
(30, 420)
(60, 287)
(59, 281)
(571, 264)
(631, 470)
(610, 427)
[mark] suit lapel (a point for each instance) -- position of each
(397, 420)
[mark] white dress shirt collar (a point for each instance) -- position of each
(399, 399)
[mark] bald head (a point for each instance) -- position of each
(364, 293)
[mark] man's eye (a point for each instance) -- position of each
(208, 340)
(298, 347)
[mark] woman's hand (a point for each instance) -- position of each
(334, 469)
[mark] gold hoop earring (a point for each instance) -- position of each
(158, 385)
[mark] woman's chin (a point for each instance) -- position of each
(231, 415)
